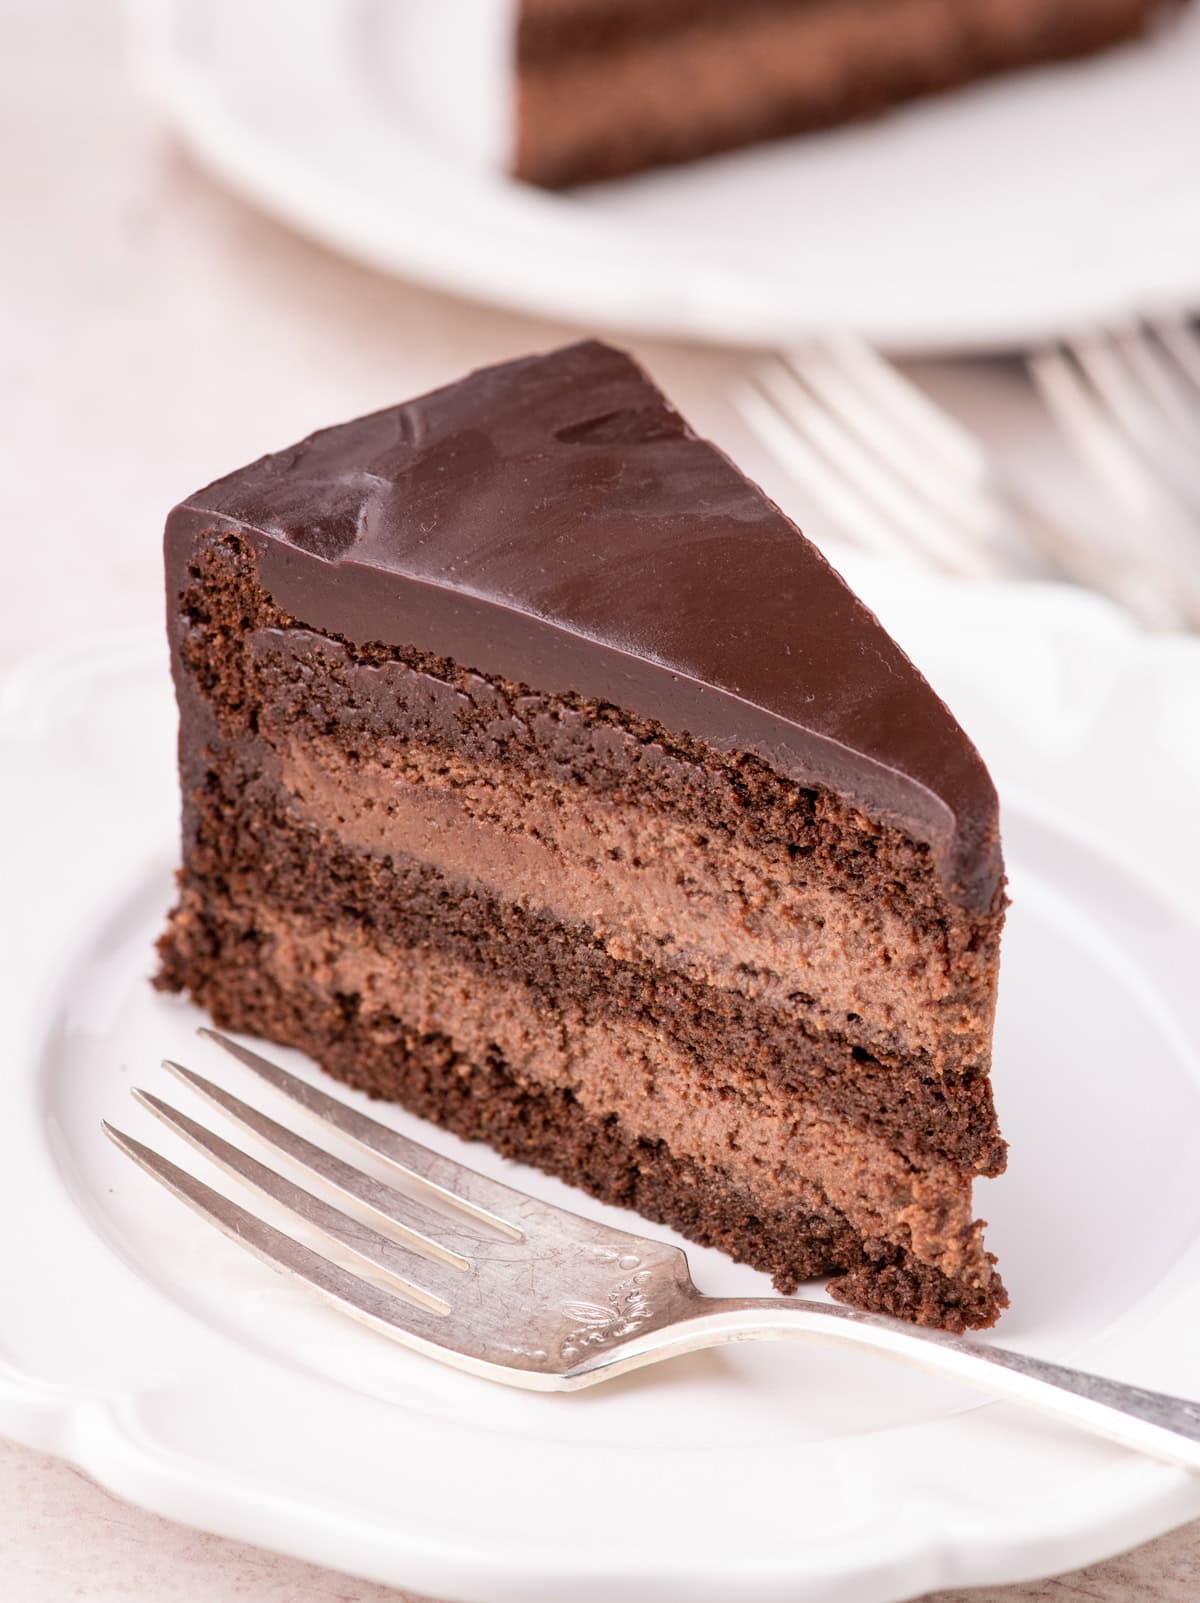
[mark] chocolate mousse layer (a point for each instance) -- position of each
(606, 87)
(689, 974)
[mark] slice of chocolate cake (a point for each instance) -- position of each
(565, 91)
(539, 774)
(606, 87)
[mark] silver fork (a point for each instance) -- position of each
(1129, 400)
(490, 1280)
(900, 477)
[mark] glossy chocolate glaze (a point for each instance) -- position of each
(555, 522)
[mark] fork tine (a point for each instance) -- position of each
(1071, 399)
(1119, 368)
(854, 517)
(981, 524)
(1164, 535)
(405, 1321)
(935, 457)
(461, 1188)
(934, 523)
(1165, 384)
(1178, 337)
(855, 371)
(423, 1279)
(939, 539)
(451, 1239)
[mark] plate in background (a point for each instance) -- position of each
(985, 219)
(183, 1375)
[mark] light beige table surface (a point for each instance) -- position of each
(152, 333)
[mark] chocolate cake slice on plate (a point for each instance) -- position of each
(539, 774)
(567, 91)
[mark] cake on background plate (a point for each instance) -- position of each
(561, 92)
(540, 775)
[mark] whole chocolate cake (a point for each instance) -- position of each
(564, 91)
(539, 774)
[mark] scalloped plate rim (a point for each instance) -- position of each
(106, 1434)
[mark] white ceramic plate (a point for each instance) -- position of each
(184, 1375)
(983, 219)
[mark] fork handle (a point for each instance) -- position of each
(1167, 1428)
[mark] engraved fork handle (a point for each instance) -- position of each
(1167, 1428)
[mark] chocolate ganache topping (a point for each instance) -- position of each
(555, 522)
